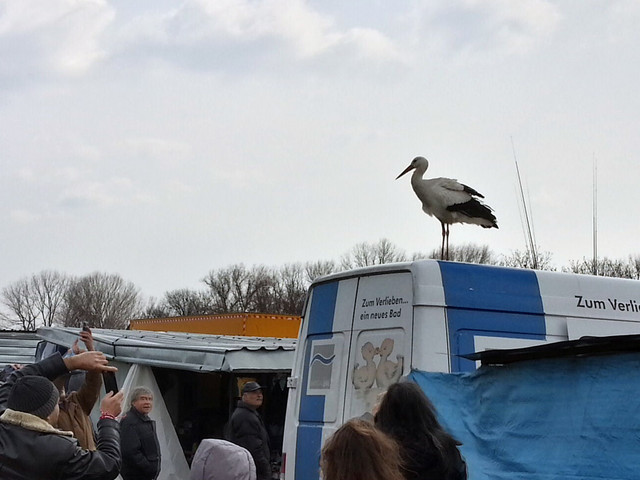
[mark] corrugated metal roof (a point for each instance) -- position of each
(17, 347)
(185, 351)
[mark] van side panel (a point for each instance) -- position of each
(320, 325)
(491, 288)
(489, 302)
(323, 306)
(466, 325)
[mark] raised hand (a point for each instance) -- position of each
(112, 404)
(93, 360)
(87, 338)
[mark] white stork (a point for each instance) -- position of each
(449, 201)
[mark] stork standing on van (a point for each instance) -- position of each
(449, 201)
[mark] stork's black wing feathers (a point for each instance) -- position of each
(471, 191)
(474, 209)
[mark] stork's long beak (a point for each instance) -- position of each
(408, 169)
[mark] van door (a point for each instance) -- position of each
(355, 342)
(380, 349)
(324, 345)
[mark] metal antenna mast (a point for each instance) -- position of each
(529, 234)
(595, 215)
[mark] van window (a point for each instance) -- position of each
(324, 359)
(378, 361)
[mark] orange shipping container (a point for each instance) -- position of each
(239, 324)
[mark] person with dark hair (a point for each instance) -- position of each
(427, 449)
(32, 448)
(246, 428)
(359, 451)
(139, 440)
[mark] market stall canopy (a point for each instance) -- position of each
(17, 347)
(185, 351)
(570, 348)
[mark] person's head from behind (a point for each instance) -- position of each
(222, 460)
(359, 451)
(142, 399)
(408, 416)
(36, 396)
(405, 410)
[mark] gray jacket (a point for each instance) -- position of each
(222, 460)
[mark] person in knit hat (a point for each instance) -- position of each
(36, 396)
(32, 448)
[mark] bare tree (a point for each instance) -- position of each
(36, 300)
(184, 302)
(258, 289)
(156, 309)
(634, 261)
(522, 259)
(233, 289)
(605, 267)
(264, 296)
(387, 252)
(20, 301)
(365, 254)
(219, 283)
(291, 289)
(102, 300)
(468, 252)
(50, 288)
(317, 269)
(243, 288)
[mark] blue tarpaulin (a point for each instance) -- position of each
(567, 418)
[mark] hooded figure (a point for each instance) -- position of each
(222, 460)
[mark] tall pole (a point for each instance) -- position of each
(595, 215)
(529, 233)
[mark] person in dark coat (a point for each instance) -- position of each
(246, 428)
(427, 449)
(32, 448)
(139, 441)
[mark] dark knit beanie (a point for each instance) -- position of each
(34, 395)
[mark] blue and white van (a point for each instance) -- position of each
(364, 329)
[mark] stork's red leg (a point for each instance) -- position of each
(448, 241)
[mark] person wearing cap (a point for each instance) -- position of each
(32, 448)
(246, 428)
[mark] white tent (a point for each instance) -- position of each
(173, 464)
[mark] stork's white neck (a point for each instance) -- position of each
(418, 173)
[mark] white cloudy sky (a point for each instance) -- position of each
(161, 139)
